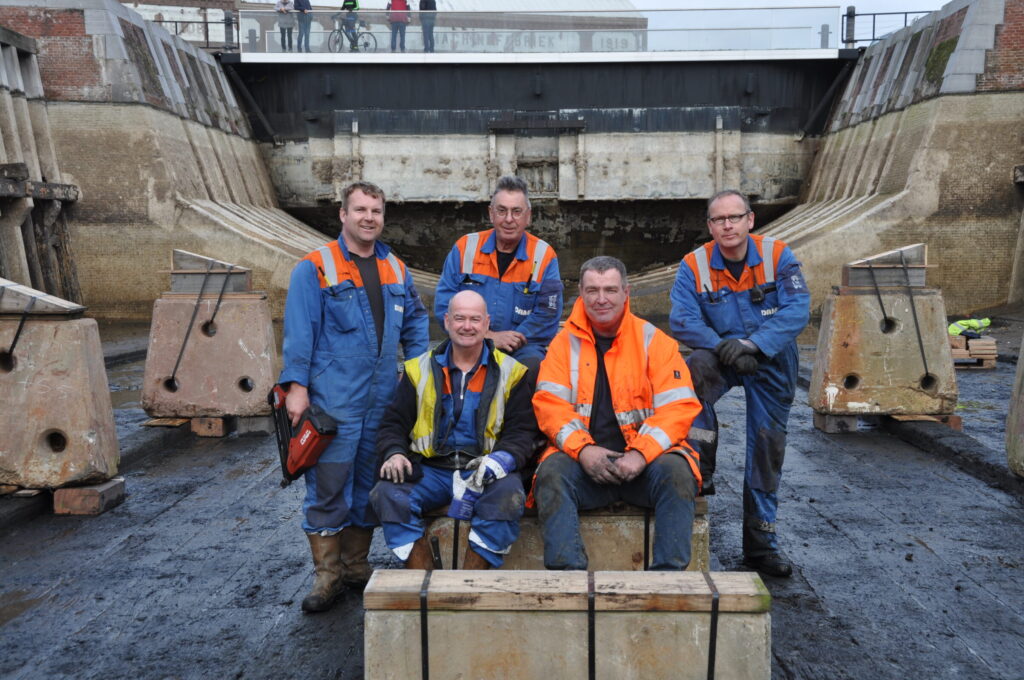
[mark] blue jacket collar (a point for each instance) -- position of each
(753, 256)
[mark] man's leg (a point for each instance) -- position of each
(711, 380)
(561, 491)
(667, 484)
(401, 507)
(494, 526)
(769, 395)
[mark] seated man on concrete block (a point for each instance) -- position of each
(614, 398)
(459, 429)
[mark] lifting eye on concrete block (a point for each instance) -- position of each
(171, 385)
(246, 384)
(209, 329)
(851, 382)
(56, 440)
(889, 325)
(7, 362)
(929, 382)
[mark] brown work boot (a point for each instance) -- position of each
(420, 557)
(355, 546)
(327, 564)
(473, 560)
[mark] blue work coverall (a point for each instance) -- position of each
(519, 300)
(770, 313)
(330, 346)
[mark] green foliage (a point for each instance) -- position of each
(938, 58)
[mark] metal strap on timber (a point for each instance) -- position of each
(647, 539)
(192, 321)
(455, 543)
(424, 648)
(713, 632)
(591, 634)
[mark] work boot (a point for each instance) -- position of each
(420, 557)
(772, 564)
(355, 546)
(473, 560)
(707, 487)
(327, 564)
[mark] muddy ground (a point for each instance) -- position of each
(909, 563)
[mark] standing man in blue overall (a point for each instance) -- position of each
(739, 302)
(349, 305)
(515, 272)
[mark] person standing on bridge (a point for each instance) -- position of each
(285, 22)
(459, 431)
(615, 401)
(349, 306)
(739, 302)
(428, 17)
(398, 17)
(305, 17)
(516, 272)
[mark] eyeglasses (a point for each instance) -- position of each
(504, 212)
(733, 219)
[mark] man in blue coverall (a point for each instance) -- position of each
(515, 272)
(739, 302)
(349, 305)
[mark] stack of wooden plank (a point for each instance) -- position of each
(973, 352)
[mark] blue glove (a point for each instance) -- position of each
(465, 494)
(492, 467)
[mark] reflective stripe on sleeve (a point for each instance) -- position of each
(768, 258)
(560, 391)
(469, 254)
(658, 434)
(649, 333)
(703, 270)
(330, 271)
(574, 367)
(538, 259)
(567, 429)
(634, 417)
(396, 267)
(668, 396)
(584, 409)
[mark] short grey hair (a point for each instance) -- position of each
(723, 194)
(603, 263)
(512, 184)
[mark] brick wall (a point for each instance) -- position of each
(1004, 65)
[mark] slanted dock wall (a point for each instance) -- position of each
(921, 148)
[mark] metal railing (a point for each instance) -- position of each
(550, 31)
(856, 26)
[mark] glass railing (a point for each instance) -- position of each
(377, 31)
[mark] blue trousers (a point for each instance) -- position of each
(769, 394)
(397, 30)
(305, 21)
(493, 528)
(563, 489)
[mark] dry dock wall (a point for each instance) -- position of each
(148, 128)
(921, 148)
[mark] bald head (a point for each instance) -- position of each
(467, 321)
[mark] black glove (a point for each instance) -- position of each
(730, 350)
(746, 365)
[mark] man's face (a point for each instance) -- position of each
(604, 299)
(467, 321)
(510, 215)
(727, 235)
(362, 219)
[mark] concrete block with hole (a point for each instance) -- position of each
(56, 419)
(212, 351)
(883, 346)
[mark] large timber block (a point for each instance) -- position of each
(618, 538)
(226, 368)
(1015, 425)
(536, 624)
(873, 363)
(57, 422)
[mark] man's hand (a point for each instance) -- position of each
(396, 468)
(630, 465)
(732, 349)
(296, 402)
(599, 464)
(507, 341)
(746, 365)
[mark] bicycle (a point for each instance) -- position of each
(365, 41)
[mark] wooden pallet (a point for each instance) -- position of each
(973, 353)
(220, 426)
(842, 424)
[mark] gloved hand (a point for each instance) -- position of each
(491, 467)
(465, 494)
(746, 365)
(732, 349)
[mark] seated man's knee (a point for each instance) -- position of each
(391, 501)
(552, 477)
(503, 500)
(673, 469)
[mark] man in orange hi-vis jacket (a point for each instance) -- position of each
(615, 400)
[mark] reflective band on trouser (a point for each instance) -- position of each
(560, 391)
(574, 367)
(768, 258)
(330, 271)
(396, 267)
(538, 258)
(658, 434)
(634, 417)
(703, 269)
(675, 394)
(469, 254)
(567, 429)
(699, 434)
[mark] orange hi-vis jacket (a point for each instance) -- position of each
(651, 390)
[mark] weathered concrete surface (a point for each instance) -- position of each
(56, 424)
(226, 369)
(870, 362)
(1015, 425)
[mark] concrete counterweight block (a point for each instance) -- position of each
(227, 367)
(536, 624)
(57, 422)
(1015, 426)
(870, 363)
